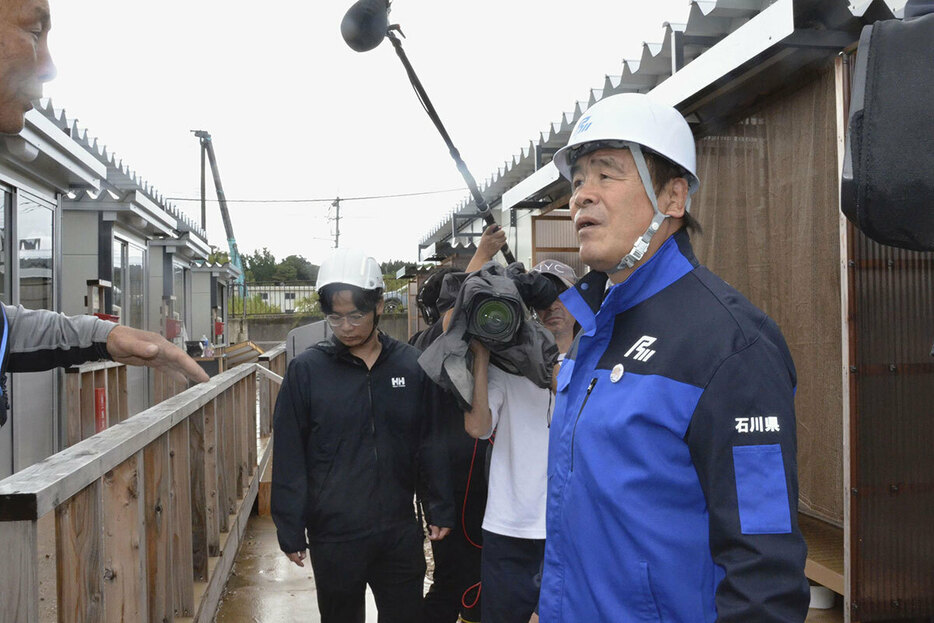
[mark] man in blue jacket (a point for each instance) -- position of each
(672, 479)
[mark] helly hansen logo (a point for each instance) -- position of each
(757, 424)
(642, 352)
(398, 382)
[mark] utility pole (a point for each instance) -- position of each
(336, 204)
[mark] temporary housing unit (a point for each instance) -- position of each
(83, 233)
(211, 286)
(37, 168)
(765, 86)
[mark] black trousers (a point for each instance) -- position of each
(392, 563)
(508, 570)
(457, 565)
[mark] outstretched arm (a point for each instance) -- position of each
(40, 339)
(145, 348)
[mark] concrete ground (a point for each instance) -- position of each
(266, 588)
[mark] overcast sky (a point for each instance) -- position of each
(296, 114)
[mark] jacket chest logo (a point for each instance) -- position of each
(398, 382)
(640, 350)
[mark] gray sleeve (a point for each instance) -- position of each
(39, 339)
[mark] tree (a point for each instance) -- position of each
(254, 305)
(392, 266)
(260, 265)
(304, 270)
(218, 257)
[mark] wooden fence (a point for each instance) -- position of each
(96, 398)
(149, 513)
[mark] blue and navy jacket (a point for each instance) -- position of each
(672, 480)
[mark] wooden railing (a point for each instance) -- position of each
(148, 513)
(274, 361)
(96, 397)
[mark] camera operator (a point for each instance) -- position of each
(455, 582)
(518, 411)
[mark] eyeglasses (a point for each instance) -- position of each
(354, 318)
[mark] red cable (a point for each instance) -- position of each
(464, 528)
(476, 599)
(466, 492)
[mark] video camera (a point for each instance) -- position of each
(495, 316)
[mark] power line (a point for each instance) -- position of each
(328, 200)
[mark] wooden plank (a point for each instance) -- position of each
(36, 490)
(157, 509)
(100, 382)
(223, 472)
(824, 563)
(124, 396)
(212, 523)
(265, 406)
(243, 449)
(19, 582)
(72, 408)
(207, 607)
(123, 589)
(158, 394)
(264, 496)
(252, 433)
(87, 406)
(180, 517)
(113, 395)
(199, 543)
(78, 550)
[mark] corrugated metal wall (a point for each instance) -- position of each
(892, 431)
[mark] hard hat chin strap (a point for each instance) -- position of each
(642, 243)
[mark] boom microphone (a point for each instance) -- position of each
(365, 24)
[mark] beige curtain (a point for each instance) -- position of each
(769, 209)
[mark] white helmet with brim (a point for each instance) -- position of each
(351, 267)
(636, 122)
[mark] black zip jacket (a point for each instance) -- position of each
(350, 444)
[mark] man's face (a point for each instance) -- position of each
(25, 62)
(556, 318)
(342, 305)
(609, 206)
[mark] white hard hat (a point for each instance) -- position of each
(351, 267)
(635, 118)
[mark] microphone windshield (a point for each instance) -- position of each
(365, 24)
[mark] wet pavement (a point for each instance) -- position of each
(266, 588)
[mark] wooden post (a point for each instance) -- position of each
(73, 407)
(123, 586)
(199, 543)
(78, 549)
(265, 403)
(243, 451)
(100, 381)
(222, 422)
(251, 437)
(211, 495)
(158, 536)
(124, 393)
(182, 573)
(19, 583)
(230, 451)
(87, 405)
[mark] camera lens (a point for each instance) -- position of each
(494, 317)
